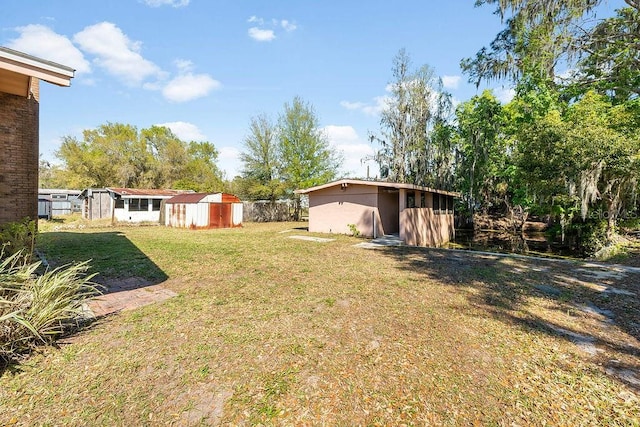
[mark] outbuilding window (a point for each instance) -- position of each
(138, 205)
(411, 199)
(119, 203)
(155, 204)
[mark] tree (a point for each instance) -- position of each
(610, 59)
(305, 154)
(106, 156)
(415, 137)
(200, 172)
(51, 175)
(261, 161)
(577, 157)
(539, 35)
(116, 154)
(607, 160)
(481, 149)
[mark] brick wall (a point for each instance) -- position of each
(19, 155)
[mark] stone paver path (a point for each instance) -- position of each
(128, 294)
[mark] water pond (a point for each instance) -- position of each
(531, 243)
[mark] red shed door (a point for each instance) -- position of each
(220, 215)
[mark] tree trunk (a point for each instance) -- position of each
(296, 208)
(612, 216)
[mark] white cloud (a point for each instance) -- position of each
(504, 95)
(189, 86)
(228, 153)
(288, 26)
(451, 82)
(183, 65)
(261, 35)
(371, 109)
(340, 133)
(173, 3)
(352, 105)
(116, 53)
(185, 131)
(229, 161)
(265, 30)
(346, 141)
(43, 42)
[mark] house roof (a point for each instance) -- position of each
(198, 197)
(17, 69)
(396, 185)
(57, 191)
(139, 192)
(88, 192)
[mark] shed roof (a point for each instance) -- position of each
(16, 69)
(198, 197)
(57, 191)
(187, 198)
(89, 192)
(141, 192)
(396, 185)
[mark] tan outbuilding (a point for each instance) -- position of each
(421, 216)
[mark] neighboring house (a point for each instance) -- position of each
(422, 216)
(200, 210)
(96, 203)
(19, 129)
(139, 205)
(63, 202)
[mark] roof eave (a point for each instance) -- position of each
(395, 185)
(21, 63)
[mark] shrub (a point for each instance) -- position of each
(17, 237)
(592, 236)
(36, 309)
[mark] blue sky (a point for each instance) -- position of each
(204, 68)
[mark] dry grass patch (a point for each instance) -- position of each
(270, 330)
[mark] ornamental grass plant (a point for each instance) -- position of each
(36, 308)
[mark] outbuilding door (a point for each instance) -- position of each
(219, 215)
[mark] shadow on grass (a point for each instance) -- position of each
(119, 264)
(503, 286)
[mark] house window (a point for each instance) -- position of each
(138, 205)
(119, 203)
(155, 204)
(411, 199)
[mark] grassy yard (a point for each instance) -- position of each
(276, 331)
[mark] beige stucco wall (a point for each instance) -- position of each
(389, 212)
(332, 209)
(420, 227)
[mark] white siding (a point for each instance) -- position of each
(187, 215)
(236, 218)
(125, 215)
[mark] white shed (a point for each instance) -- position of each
(200, 210)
